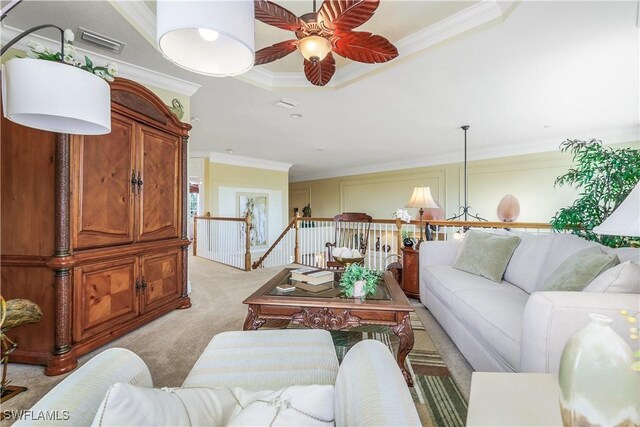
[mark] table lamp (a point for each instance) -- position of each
(625, 219)
(421, 199)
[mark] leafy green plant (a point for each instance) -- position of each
(605, 176)
(71, 57)
(357, 272)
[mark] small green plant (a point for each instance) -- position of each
(406, 234)
(605, 176)
(355, 273)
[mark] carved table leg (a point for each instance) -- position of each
(252, 322)
(404, 331)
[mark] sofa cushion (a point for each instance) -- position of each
(577, 271)
(310, 405)
(444, 281)
(624, 254)
(561, 248)
(623, 278)
(486, 254)
(527, 261)
(494, 316)
(266, 360)
(128, 405)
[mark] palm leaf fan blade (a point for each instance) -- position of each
(346, 14)
(275, 52)
(321, 72)
(275, 15)
(365, 47)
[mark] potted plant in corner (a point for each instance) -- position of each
(358, 281)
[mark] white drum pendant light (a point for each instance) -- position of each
(214, 37)
(55, 97)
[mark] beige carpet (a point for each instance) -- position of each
(170, 345)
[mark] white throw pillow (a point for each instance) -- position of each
(128, 405)
(623, 278)
(310, 405)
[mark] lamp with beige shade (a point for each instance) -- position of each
(421, 199)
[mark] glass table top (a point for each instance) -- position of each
(326, 290)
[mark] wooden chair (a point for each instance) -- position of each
(351, 231)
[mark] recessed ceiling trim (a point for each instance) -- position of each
(250, 162)
(608, 137)
(125, 69)
(140, 16)
(475, 15)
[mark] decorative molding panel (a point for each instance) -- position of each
(250, 162)
(125, 69)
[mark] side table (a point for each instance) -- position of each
(411, 272)
(510, 399)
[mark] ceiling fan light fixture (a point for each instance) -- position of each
(215, 38)
(314, 48)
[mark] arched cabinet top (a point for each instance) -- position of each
(146, 105)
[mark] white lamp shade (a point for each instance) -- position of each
(186, 32)
(421, 198)
(55, 97)
(625, 220)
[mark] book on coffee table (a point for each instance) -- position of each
(312, 277)
(314, 289)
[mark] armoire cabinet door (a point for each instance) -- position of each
(103, 198)
(159, 200)
(160, 278)
(105, 296)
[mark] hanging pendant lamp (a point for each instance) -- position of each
(214, 37)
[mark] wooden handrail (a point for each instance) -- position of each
(292, 223)
(485, 224)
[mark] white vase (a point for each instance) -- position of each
(358, 289)
(597, 385)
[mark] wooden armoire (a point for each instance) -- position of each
(94, 228)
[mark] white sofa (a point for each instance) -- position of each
(513, 326)
(369, 388)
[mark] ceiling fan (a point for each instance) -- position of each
(319, 33)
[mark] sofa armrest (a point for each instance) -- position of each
(550, 318)
(76, 399)
(370, 389)
(439, 253)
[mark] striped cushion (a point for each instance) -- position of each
(371, 391)
(266, 360)
(76, 399)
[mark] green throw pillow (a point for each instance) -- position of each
(577, 271)
(486, 254)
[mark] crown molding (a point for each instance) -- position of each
(125, 69)
(467, 19)
(608, 137)
(139, 15)
(249, 162)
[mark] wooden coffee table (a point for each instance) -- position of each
(331, 311)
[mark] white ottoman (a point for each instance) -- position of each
(266, 360)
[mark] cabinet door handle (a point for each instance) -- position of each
(134, 181)
(139, 182)
(144, 284)
(137, 286)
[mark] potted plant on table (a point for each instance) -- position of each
(358, 281)
(402, 215)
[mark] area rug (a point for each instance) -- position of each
(439, 401)
(435, 394)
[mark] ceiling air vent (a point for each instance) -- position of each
(103, 42)
(284, 103)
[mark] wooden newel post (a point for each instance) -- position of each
(195, 236)
(399, 226)
(296, 250)
(247, 253)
